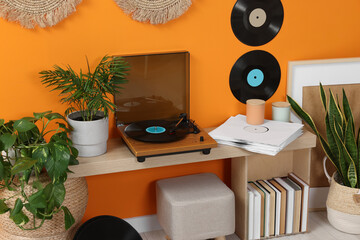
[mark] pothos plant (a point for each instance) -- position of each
(342, 142)
(88, 92)
(25, 155)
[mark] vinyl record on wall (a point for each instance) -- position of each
(256, 22)
(255, 75)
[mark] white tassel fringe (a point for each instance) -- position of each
(29, 16)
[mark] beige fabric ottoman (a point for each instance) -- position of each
(195, 207)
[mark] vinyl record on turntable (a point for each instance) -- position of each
(155, 131)
(255, 75)
(256, 22)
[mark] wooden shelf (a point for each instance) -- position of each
(295, 158)
(119, 159)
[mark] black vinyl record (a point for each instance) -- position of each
(156, 131)
(255, 75)
(256, 22)
(106, 228)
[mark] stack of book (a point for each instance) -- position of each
(277, 206)
(268, 138)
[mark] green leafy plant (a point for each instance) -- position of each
(88, 92)
(25, 157)
(341, 145)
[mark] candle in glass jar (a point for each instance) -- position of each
(281, 111)
(255, 111)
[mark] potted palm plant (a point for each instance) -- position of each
(33, 178)
(88, 96)
(341, 146)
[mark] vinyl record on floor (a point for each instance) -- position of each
(256, 22)
(255, 75)
(106, 228)
(156, 131)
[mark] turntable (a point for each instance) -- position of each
(152, 112)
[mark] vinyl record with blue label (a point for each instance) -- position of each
(255, 75)
(156, 131)
(256, 22)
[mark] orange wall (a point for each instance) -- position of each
(311, 30)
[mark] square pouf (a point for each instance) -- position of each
(195, 207)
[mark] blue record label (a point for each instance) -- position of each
(155, 129)
(255, 77)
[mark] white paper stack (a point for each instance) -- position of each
(268, 138)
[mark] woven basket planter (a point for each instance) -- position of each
(75, 199)
(343, 207)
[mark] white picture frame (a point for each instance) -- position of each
(312, 72)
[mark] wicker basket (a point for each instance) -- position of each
(75, 199)
(343, 206)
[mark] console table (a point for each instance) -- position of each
(245, 166)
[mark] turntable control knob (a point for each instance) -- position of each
(201, 138)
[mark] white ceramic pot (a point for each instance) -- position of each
(89, 137)
(343, 206)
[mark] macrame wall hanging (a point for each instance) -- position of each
(154, 11)
(43, 13)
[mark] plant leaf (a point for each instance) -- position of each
(52, 116)
(23, 125)
(64, 127)
(41, 153)
(73, 161)
(5, 172)
(323, 97)
(302, 114)
(332, 144)
(20, 218)
(58, 162)
(38, 200)
(48, 190)
(37, 185)
(2, 169)
(335, 114)
(7, 141)
(347, 111)
(17, 207)
(3, 207)
(31, 136)
(306, 117)
(41, 115)
(350, 142)
(30, 119)
(343, 159)
(59, 194)
(69, 219)
(352, 175)
(22, 164)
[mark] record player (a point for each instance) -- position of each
(152, 113)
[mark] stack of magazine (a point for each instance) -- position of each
(277, 206)
(268, 138)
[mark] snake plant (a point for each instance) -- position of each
(342, 144)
